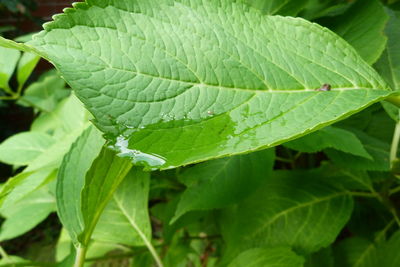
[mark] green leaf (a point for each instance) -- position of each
(388, 64)
(24, 148)
(329, 137)
(390, 256)
(103, 178)
(190, 71)
(23, 184)
(323, 257)
(277, 257)
(296, 209)
(281, 7)
(45, 93)
(8, 61)
(26, 213)
(125, 220)
(222, 182)
(71, 179)
(376, 148)
(363, 27)
(26, 65)
(357, 252)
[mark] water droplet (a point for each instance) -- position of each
(150, 161)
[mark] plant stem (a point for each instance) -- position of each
(395, 144)
(394, 191)
(80, 257)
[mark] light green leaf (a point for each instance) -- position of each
(125, 220)
(222, 182)
(329, 137)
(24, 148)
(25, 67)
(22, 184)
(102, 179)
(268, 257)
(292, 209)
(363, 27)
(190, 71)
(45, 93)
(8, 61)
(26, 213)
(357, 252)
(71, 179)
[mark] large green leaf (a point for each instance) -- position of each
(71, 179)
(222, 182)
(268, 257)
(300, 210)
(125, 220)
(218, 76)
(281, 7)
(356, 252)
(363, 27)
(103, 178)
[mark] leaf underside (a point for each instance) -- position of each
(177, 82)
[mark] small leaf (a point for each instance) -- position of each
(292, 209)
(222, 182)
(232, 85)
(376, 148)
(329, 137)
(277, 257)
(26, 65)
(26, 213)
(125, 220)
(23, 148)
(9, 58)
(71, 179)
(363, 27)
(102, 179)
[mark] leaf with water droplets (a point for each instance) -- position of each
(179, 82)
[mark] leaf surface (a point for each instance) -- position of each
(292, 209)
(222, 182)
(125, 220)
(329, 137)
(23, 148)
(71, 179)
(8, 63)
(103, 178)
(191, 71)
(276, 257)
(363, 27)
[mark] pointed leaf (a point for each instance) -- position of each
(190, 71)
(71, 179)
(329, 137)
(8, 61)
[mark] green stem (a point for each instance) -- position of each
(395, 144)
(394, 191)
(395, 100)
(283, 159)
(80, 257)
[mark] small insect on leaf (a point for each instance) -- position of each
(324, 87)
